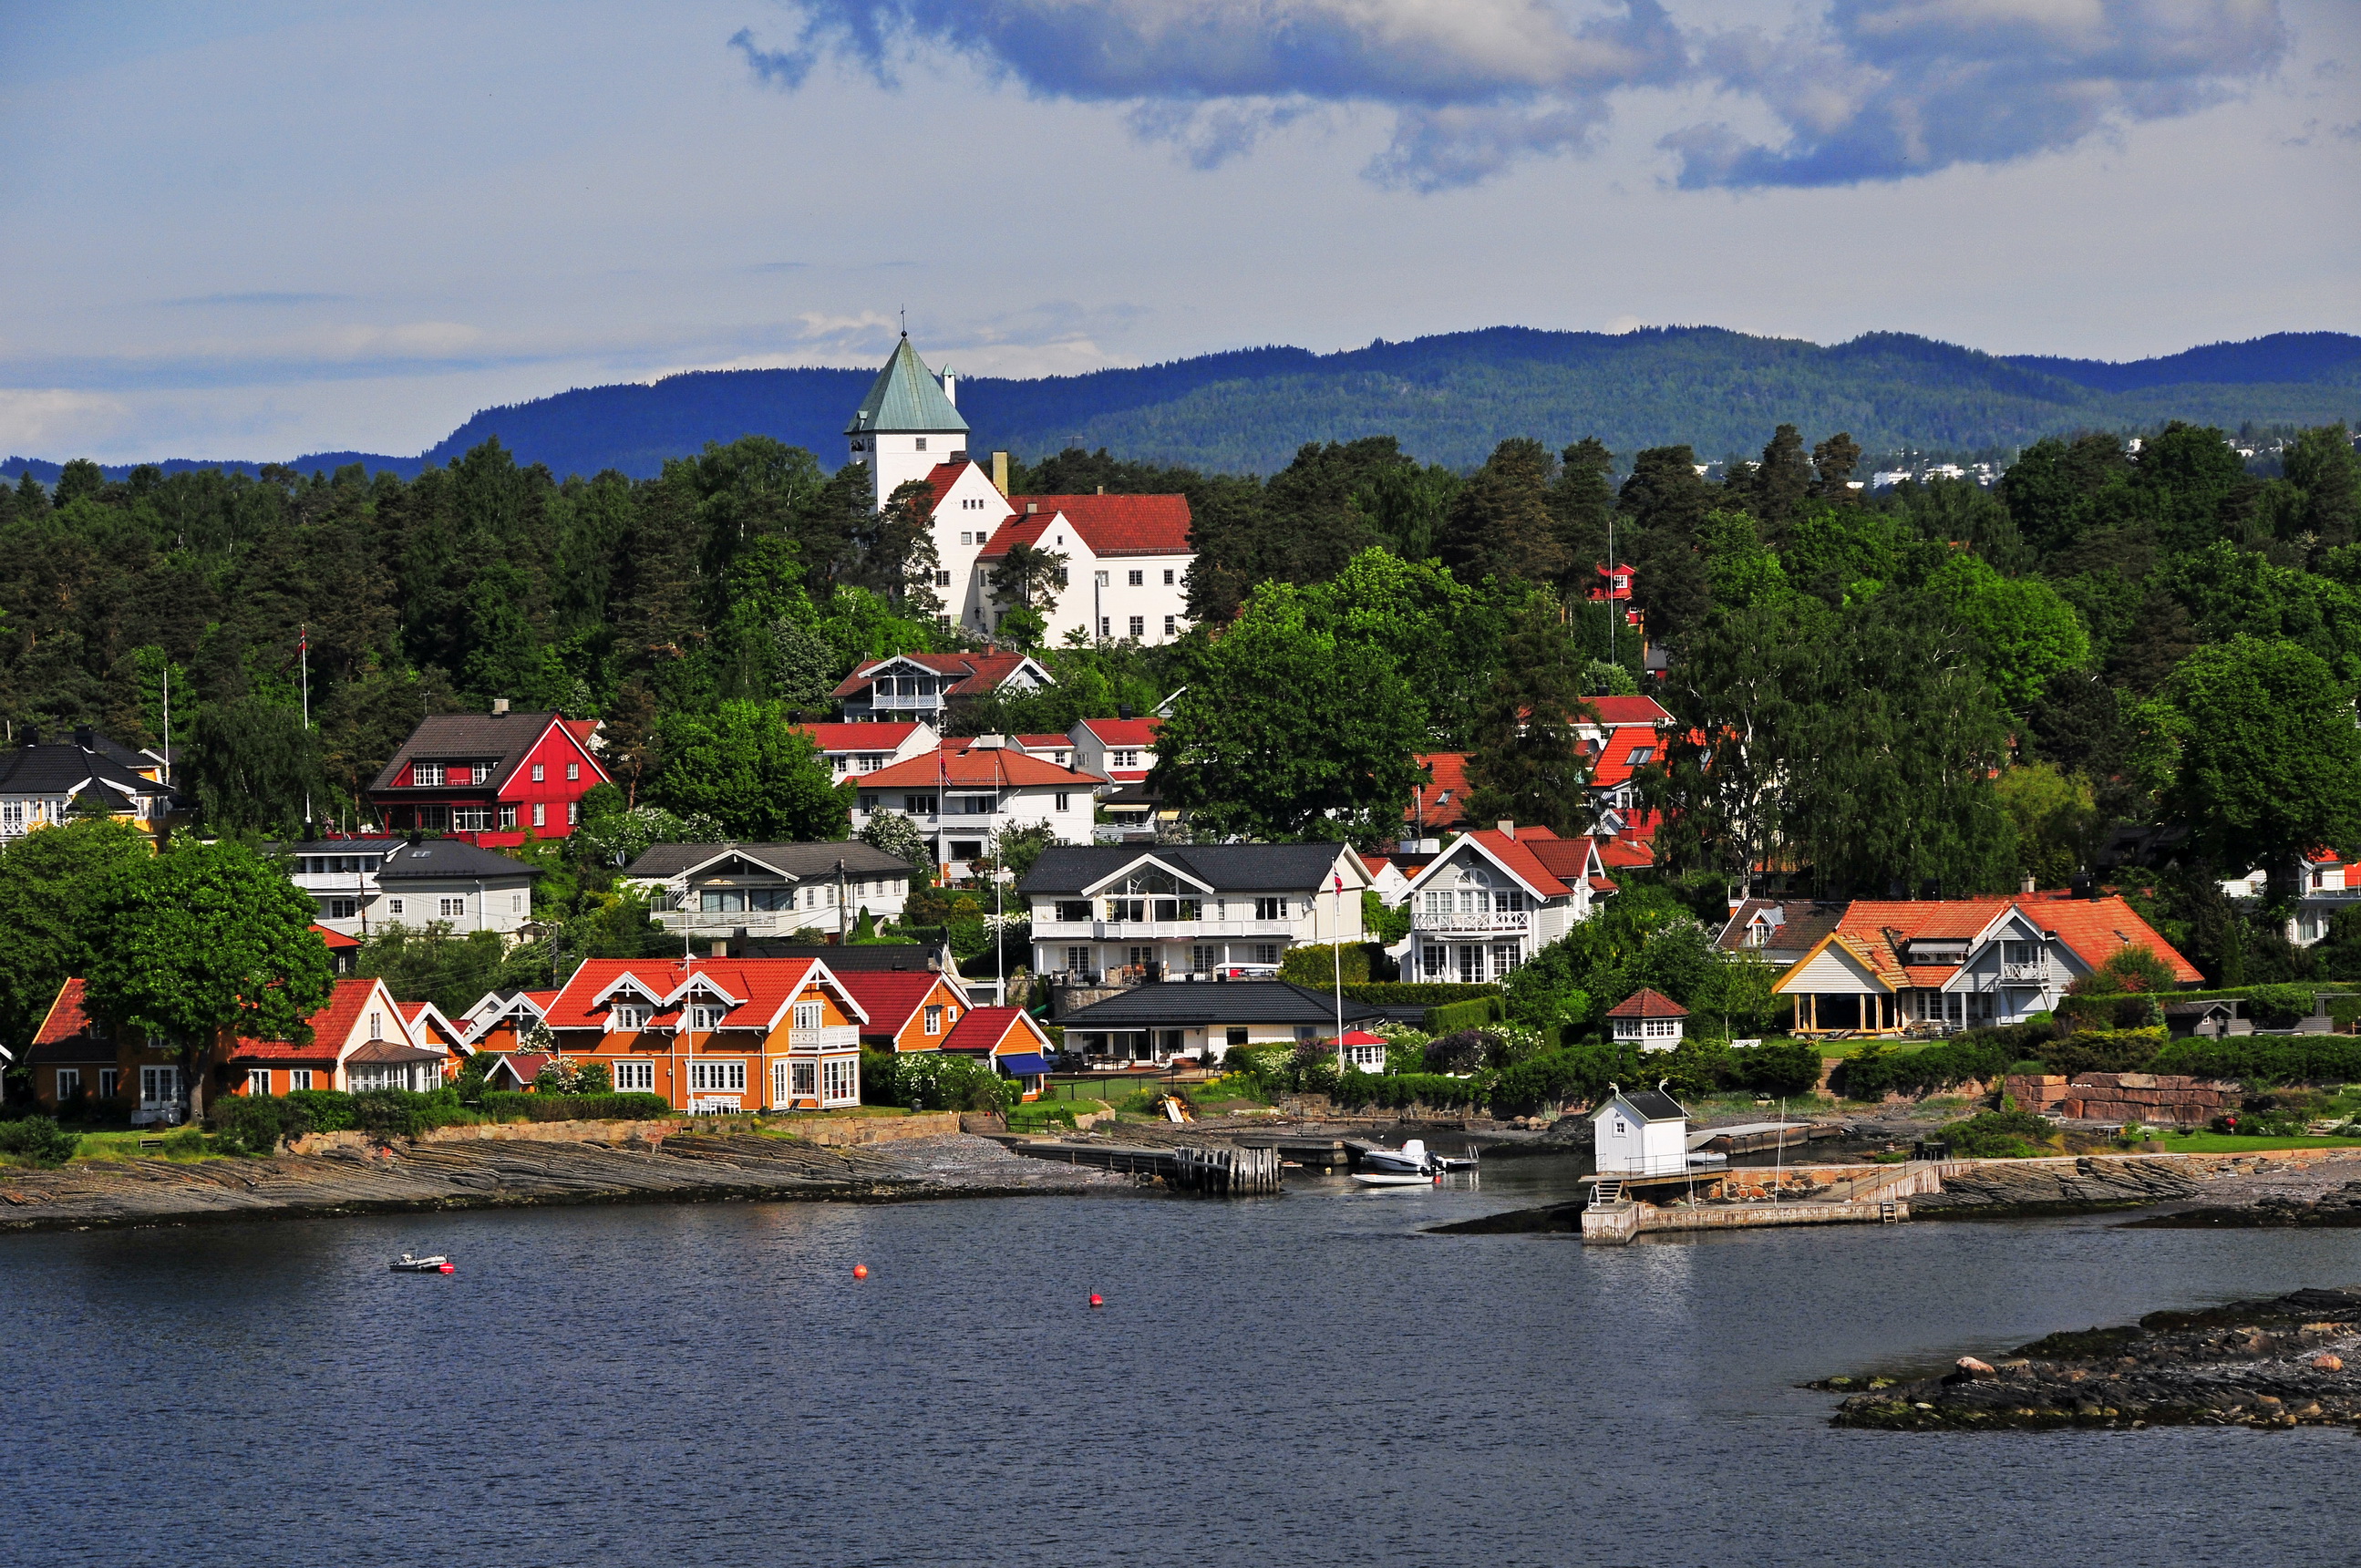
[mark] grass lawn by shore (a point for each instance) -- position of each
(2226, 1142)
(177, 1143)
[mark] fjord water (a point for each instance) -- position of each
(1301, 1380)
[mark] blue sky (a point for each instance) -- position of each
(253, 231)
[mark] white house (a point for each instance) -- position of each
(1127, 912)
(961, 797)
(1641, 1132)
(852, 750)
(1496, 897)
(907, 425)
(364, 883)
(1648, 1019)
(1124, 749)
(916, 687)
(768, 889)
(2323, 884)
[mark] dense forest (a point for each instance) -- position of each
(1940, 687)
(1448, 396)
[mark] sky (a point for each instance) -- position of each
(255, 231)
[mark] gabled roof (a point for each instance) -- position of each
(1441, 799)
(1647, 1003)
(1650, 1105)
(1045, 742)
(65, 1017)
(1109, 525)
(1625, 748)
(1126, 732)
(1796, 923)
(796, 862)
(1511, 854)
(978, 767)
(334, 941)
(65, 769)
(1176, 1004)
(972, 674)
(988, 1029)
(906, 397)
(332, 1026)
(854, 957)
(2098, 928)
(943, 477)
(892, 997)
(859, 737)
(444, 859)
(1620, 710)
(502, 739)
(766, 987)
(1241, 868)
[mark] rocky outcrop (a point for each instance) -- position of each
(2339, 1209)
(2258, 1364)
(2004, 1186)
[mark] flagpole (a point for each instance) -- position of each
(1336, 952)
(303, 657)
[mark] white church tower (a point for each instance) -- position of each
(908, 423)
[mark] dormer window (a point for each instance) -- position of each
(426, 776)
(630, 1016)
(705, 1016)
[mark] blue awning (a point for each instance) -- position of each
(1030, 1066)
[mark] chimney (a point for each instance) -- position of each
(499, 706)
(1101, 489)
(85, 737)
(1032, 507)
(1508, 829)
(2025, 884)
(950, 387)
(1000, 472)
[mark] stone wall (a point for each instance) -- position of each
(828, 1132)
(2122, 1097)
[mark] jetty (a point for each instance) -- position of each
(1621, 1209)
(1217, 1169)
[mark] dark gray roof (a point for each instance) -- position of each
(446, 858)
(796, 862)
(502, 739)
(63, 768)
(1805, 921)
(859, 956)
(1253, 868)
(1653, 1104)
(1177, 1004)
(367, 844)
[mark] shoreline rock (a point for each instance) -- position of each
(2267, 1365)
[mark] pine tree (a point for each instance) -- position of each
(1500, 525)
(1528, 763)
(1778, 485)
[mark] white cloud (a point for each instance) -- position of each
(33, 422)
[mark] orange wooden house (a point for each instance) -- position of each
(716, 1035)
(909, 1010)
(1008, 1038)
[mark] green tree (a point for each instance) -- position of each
(2269, 761)
(210, 940)
(2028, 631)
(2055, 817)
(752, 771)
(59, 890)
(1500, 525)
(1028, 575)
(896, 835)
(1528, 763)
(254, 767)
(2321, 464)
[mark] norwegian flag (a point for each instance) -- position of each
(1635, 617)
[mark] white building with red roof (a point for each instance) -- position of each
(907, 687)
(1496, 897)
(852, 750)
(964, 795)
(1648, 1019)
(1124, 749)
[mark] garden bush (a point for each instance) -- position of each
(1569, 1073)
(1781, 1067)
(934, 1081)
(2262, 1061)
(510, 1105)
(1396, 1091)
(1450, 1017)
(38, 1140)
(1315, 964)
(258, 1123)
(1416, 993)
(400, 1114)
(2104, 1050)
(325, 1110)
(1998, 1135)
(1980, 1054)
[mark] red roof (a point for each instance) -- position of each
(940, 478)
(1441, 799)
(336, 941)
(1620, 710)
(2095, 928)
(1647, 1003)
(1124, 731)
(976, 767)
(331, 1026)
(1359, 1037)
(1616, 758)
(1110, 525)
(1568, 859)
(857, 737)
(987, 1029)
(1518, 857)
(66, 1019)
(1620, 853)
(889, 996)
(972, 673)
(760, 988)
(1046, 742)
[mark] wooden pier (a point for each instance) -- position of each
(1221, 1170)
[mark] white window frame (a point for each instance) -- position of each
(426, 776)
(629, 1017)
(110, 1082)
(540, 772)
(66, 1084)
(298, 1078)
(809, 1016)
(257, 1083)
(805, 1076)
(719, 1076)
(839, 1080)
(393, 906)
(452, 908)
(704, 1017)
(934, 1018)
(635, 1076)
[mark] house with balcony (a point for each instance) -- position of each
(1151, 1026)
(1493, 897)
(962, 798)
(503, 1021)
(1777, 930)
(716, 1035)
(708, 892)
(491, 778)
(367, 884)
(1112, 913)
(915, 688)
(852, 750)
(2322, 883)
(1932, 965)
(1124, 750)
(43, 783)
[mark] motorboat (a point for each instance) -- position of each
(1393, 1178)
(1411, 1160)
(406, 1264)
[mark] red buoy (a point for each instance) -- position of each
(1098, 1300)
(446, 1268)
(861, 1271)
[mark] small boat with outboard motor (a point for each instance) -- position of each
(406, 1264)
(1413, 1165)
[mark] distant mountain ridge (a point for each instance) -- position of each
(1449, 397)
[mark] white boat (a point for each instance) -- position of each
(1411, 1159)
(406, 1264)
(1392, 1179)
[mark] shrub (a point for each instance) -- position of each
(2104, 1050)
(1316, 965)
(257, 1124)
(2278, 1006)
(1041, 1116)
(327, 1110)
(1984, 1054)
(1783, 1067)
(1997, 1135)
(186, 1144)
(1400, 1091)
(512, 1106)
(935, 1081)
(2261, 1061)
(1450, 1017)
(1568, 1074)
(38, 1140)
(1463, 1052)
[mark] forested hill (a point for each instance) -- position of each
(1450, 399)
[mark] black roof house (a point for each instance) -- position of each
(1175, 1005)
(1247, 868)
(83, 770)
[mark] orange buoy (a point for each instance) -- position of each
(861, 1271)
(1098, 1300)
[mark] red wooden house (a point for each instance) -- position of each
(490, 778)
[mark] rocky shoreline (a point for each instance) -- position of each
(404, 1176)
(2294, 1361)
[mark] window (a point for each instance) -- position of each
(69, 1083)
(298, 1077)
(808, 1015)
(723, 1076)
(426, 776)
(1621, 1131)
(516, 904)
(1203, 960)
(451, 908)
(472, 818)
(967, 536)
(1660, 1028)
(377, 1026)
(1104, 623)
(1127, 909)
(1169, 625)
(1237, 1034)
(340, 908)
(1270, 909)
(573, 772)
(934, 1020)
(109, 1081)
(258, 1082)
(1078, 960)
(393, 906)
(1135, 578)
(1511, 901)
(943, 579)
(1062, 576)
(1431, 963)
(1471, 966)
(1062, 798)
(1100, 578)
(1640, 754)
(1124, 759)
(159, 1085)
(1139, 626)
(840, 1079)
(1504, 957)
(1266, 952)
(540, 772)
(918, 805)
(635, 1076)
(967, 849)
(704, 1017)
(921, 446)
(435, 819)
(541, 813)
(573, 813)
(1140, 958)
(508, 814)
(627, 1016)
(1168, 578)
(806, 1080)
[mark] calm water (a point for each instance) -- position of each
(1292, 1381)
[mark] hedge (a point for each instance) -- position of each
(1980, 1054)
(509, 1105)
(1400, 1091)
(1416, 993)
(1317, 964)
(1473, 1013)
(2260, 1060)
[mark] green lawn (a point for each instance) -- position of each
(126, 1145)
(2227, 1143)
